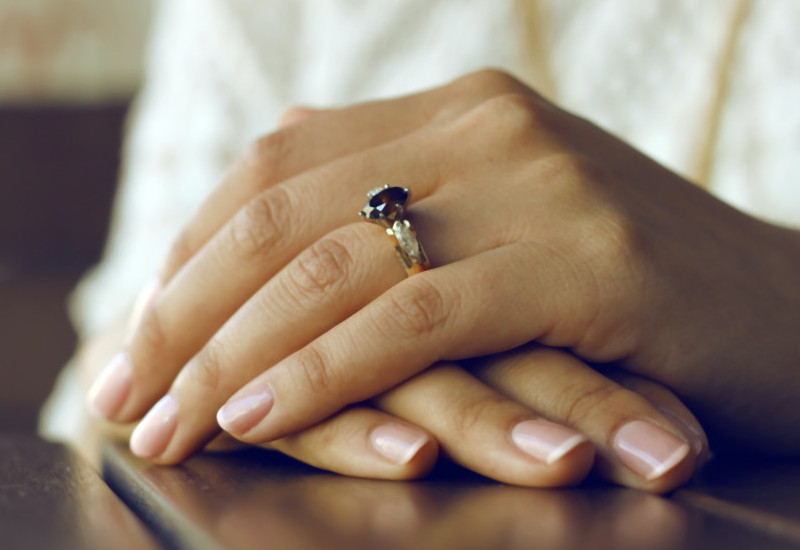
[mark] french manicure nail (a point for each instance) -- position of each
(648, 450)
(545, 441)
(691, 433)
(243, 411)
(142, 303)
(397, 443)
(152, 435)
(109, 392)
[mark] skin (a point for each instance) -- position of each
(556, 248)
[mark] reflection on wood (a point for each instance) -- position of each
(763, 494)
(260, 499)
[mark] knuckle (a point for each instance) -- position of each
(578, 407)
(469, 416)
(488, 82)
(322, 268)
(151, 335)
(503, 123)
(266, 154)
(206, 369)
(314, 370)
(260, 224)
(513, 113)
(180, 251)
(419, 309)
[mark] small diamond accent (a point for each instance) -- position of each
(406, 239)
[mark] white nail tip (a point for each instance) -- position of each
(557, 453)
(672, 460)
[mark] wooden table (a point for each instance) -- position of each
(50, 498)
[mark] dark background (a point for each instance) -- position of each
(58, 171)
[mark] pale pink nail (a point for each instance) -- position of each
(142, 304)
(396, 442)
(111, 389)
(648, 450)
(245, 409)
(545, 440)
(691, 433)
(152, 435)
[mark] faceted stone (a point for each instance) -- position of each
(406, 239)
(386, 204)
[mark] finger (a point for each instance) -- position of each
(670, 406)
(324, 284)
(306, 142)
(450, 312)
(637, 444)
(257, 242)
(488, 433)
(330, 281)
(364, 442)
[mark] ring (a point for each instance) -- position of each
(386, 207)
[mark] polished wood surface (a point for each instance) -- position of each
(260, 499)
(51, 499)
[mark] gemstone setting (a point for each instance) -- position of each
(407, 239)
(386, 205)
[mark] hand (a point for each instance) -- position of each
(643, 436)
(474, 419)
(541, 229)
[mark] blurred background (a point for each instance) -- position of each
(68, 72)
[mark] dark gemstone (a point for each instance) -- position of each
(389, 195)
(386, 204)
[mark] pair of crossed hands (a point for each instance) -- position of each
(577, 289)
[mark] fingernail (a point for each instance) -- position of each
(691, 433)
(545, 440)
(142, 303)
(648, 450)
(109, 392)
(152, 435)
(243, 411)
(397, 443)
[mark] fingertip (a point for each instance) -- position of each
(650, 458)
(566, 454)
(111, 389)
(571, 468)
(413, 451)
(245, 410)
(295, 115)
